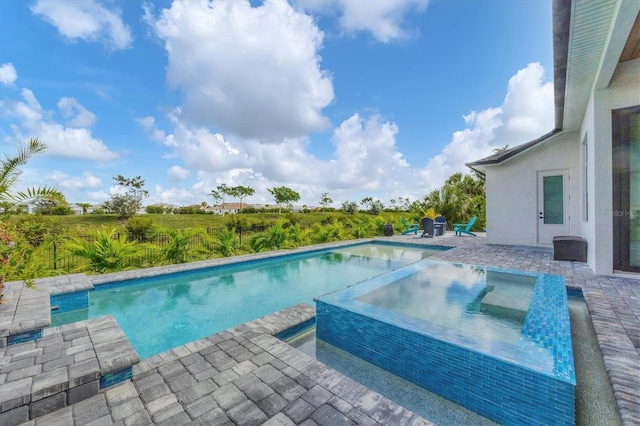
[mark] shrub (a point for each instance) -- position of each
(296, 236)
(328, 233)
(274, 239)
(154, 209)
(139, 228)
(227, 242)
(350, 207)
(107, 253)
(179, 248)
(19, 258)
(35, 229)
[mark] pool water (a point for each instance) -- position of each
(488, 304)
(426, 404)
(163, 312)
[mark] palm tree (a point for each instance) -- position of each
(108, 253)
(361, 228)
(328, 233)
(84, 206)
(296, 236)
(179, 248)
(10, 172)
(17, 256)
(274, 239)
(227, 242)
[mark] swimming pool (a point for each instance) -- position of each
(166, 311)
(494, 341)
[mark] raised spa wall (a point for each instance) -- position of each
(492, 386)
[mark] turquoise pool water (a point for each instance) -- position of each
(163, 312)
(487, 304)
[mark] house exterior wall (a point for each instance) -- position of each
(623, 91)
(512, 201)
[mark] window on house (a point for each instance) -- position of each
(626, 189)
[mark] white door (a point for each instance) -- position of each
(553, 205)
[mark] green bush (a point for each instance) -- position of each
(226, 242)
(35, 228)
(179, 247)
(139, 228)
(154, 209)
(107, 253)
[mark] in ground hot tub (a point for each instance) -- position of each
(494, 341)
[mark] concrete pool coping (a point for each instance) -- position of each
(613, 302)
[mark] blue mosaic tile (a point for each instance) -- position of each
(70, 301)
(24, 337)
(116, 377)
(532, 382)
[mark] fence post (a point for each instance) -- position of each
(55, 257)
(240, 228)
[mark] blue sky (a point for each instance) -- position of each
(355, 98)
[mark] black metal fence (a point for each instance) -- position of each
(60, 260)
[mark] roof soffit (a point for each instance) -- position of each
(632, 47)
(590, 29)
(623, 42)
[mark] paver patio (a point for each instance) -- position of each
(245, 376)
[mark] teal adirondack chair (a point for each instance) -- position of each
(409, 227)
(464, 228)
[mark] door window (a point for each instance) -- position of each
(553, 200)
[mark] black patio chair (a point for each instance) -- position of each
(427, 227)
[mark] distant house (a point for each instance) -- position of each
(165, 206)
(582, 178)
(76, 210)
(231, 208)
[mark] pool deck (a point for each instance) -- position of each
(246, 376)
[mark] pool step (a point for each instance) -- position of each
(503, 304)
(68, 364)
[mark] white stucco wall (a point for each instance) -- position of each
(622, 92)
(512, 201)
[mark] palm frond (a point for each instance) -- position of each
(9, 167)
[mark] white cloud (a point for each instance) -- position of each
(177, 196)
(366, 155)
(86, 20)
(8, 74)
(526, 109)
(79, 116)
(73, 183)
(177, 173)
(526, 113)
(62, 141)
(366, 160)
(98, 197)
(384, 19)
(253, 72)
(197, 146)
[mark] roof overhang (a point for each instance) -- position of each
(503, 156)
(598, 33)
(590, 38)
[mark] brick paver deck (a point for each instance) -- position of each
(245, 376)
